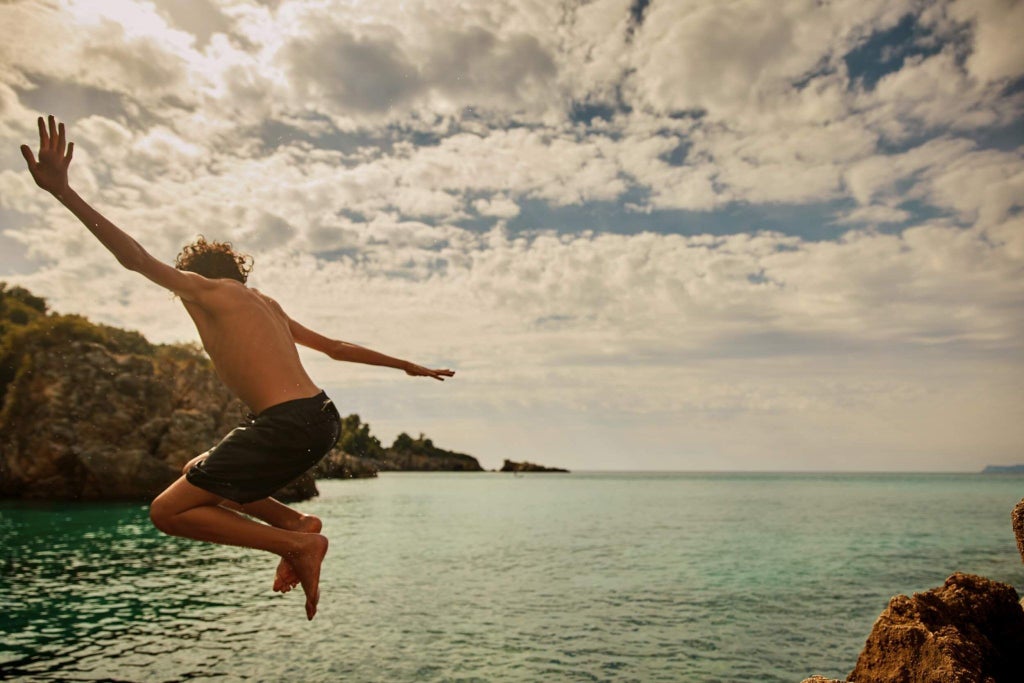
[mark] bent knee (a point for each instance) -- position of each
(162, 516)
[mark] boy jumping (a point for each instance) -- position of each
(251, 342)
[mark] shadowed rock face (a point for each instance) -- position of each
(971, 629)
(91, 423)
(88, 422)
(91, 412)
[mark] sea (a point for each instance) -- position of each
(588, 576)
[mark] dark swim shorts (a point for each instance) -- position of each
(269, 450)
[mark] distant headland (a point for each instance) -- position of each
(511, 466)
(1003, 469)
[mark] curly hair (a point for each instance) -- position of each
(214, 260)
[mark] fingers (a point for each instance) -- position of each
(53, 130)
(71, 150)
(43, 139)
(29, 157)
(60, 139)
(420, 371)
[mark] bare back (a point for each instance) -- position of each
(248, 339)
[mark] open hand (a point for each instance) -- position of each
(51, 171)
(420, 371)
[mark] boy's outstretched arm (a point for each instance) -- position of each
(51, 173)
(341, 350)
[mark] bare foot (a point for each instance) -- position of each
(306, 562)
(286, 579)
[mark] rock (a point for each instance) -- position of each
(969, 629)
(90, 412)
(340, 465)
(820, 679)
(1017, 516)
(408, 454)
(90, 421)
(511, 466)
(302, 488)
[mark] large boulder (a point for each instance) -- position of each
(971, 629)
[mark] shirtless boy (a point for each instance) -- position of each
(251, 342)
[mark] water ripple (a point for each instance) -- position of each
(440, 577)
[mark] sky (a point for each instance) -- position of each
(647, 235)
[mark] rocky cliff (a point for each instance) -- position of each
(968, 629)
(94, 412)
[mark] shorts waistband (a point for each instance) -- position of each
(320, 401)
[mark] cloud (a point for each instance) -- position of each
(874, 215)
(376, 69)
(996, 53)
(734, 59)
(498, 206)
(373, 158)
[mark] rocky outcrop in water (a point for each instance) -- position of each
(360, 451)
(421, 455)
(969, 630)
(511, 466)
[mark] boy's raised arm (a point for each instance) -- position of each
(51, 173)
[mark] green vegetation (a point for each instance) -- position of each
(27, 325)
(407, 453)
(357, 440)
(405, 443)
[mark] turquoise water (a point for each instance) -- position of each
(493, 577)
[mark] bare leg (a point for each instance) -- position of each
(277, 514)
(273, 512)
(189, 511)
(280, 515)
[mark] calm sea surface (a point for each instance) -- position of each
(493, 577)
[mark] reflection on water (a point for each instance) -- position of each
(91, 583)
(437, 577)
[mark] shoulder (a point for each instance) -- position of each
(269, 301)
(273, 303)
(214, 293)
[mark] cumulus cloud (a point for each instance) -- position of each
(359, 68)
(382, 163)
